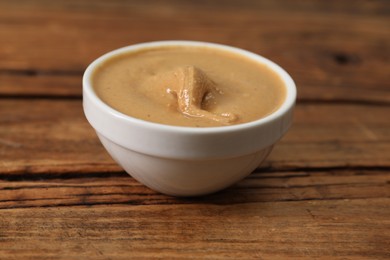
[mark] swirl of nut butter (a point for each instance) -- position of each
(191, 89)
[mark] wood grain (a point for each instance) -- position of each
(322, 194)
(328, 61)
(261, 186)
(268, 215)
(320, 229)
(48, 136)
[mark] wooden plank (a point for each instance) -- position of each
(328, 61)
(49, 136)
(280, 214)
(29, 83)
(95, 189)
(361, 7)
(342, 229)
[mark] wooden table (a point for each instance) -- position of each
(322, 194)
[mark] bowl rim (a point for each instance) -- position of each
(286, 106)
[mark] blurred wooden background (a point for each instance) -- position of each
(323, 193)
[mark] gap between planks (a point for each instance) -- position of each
(22, 176)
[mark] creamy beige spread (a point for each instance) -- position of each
(189, 86)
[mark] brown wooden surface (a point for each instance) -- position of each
(323, 193)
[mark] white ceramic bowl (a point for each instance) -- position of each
(186, 161)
